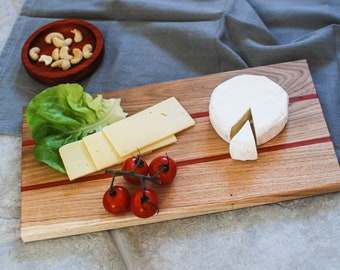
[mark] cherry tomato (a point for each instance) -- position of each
(135, 163)
(116, 202)
(168, 167)
(144, 207)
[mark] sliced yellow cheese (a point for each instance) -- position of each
(143, 132)
(101, 150)
(104, 155)
(156, 145)
(95, 153)
(77, 160)
(144, 128)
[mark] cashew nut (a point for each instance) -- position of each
(45, 59)
(77, 56)
(62, 63)
(78, 36)
(34, 53)
(63, 53)
(50, 36)
(87, 51)
(61, 56)
(61, 42)
(55, 54)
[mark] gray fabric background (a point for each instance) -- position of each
(149, 41)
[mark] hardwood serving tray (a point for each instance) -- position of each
(299, 162)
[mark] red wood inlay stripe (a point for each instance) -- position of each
(186, 162)
(291, 100)
(202, 159)
(295, 144)
(206, 113)
(182, 163)
(199, 114)
(260, 150)
(64, 182)
(301, 98)
(28, 143)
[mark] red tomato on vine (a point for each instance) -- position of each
(137, 165)
(164, 168)
(144, 205)
(116, 200)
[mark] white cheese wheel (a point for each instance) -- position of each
(232, 100)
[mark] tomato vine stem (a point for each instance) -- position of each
(112, 190)
(132, 173)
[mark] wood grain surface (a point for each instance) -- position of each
(299, 162)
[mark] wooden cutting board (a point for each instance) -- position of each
(299, 162)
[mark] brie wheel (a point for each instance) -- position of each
(249, 97)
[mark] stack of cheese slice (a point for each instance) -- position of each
(144, 132)
(246, 111)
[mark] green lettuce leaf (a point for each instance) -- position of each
(65, 113)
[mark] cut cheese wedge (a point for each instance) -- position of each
(239, 124)
(148, 126)
(242, 145)
(249, 97)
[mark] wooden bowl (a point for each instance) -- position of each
(53, 76)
